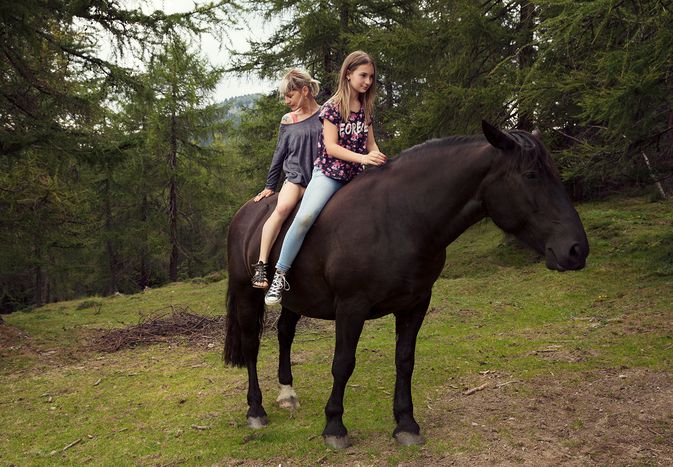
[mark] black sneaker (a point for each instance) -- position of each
(259, 280)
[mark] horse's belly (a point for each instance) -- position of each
(399, 304)
(313, 306)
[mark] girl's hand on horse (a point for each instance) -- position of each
(374, 158)
(265, 193)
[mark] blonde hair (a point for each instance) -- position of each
(343, 93)
(295, 80)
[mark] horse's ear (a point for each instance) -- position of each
(498, 138)
(537, 133)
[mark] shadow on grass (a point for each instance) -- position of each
(484, 249)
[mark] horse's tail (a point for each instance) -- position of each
(233, 339)
(245, 305)
(233, 348)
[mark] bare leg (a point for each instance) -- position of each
(407, 432)
(287, 324)
(288, 197)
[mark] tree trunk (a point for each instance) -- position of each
(668, 148)
(38, 296)
(525, 58)
(113, 285)
(144, 274)
(388, 86)
(344, 19)
(38, 273)
(173, 194)
(327, 90)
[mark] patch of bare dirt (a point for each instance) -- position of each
(557, 353)
(621, 417)
(602, 417)
(14, 343)
(11, 337)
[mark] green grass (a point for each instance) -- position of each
(494, 308)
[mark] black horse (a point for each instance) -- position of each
(379, 246)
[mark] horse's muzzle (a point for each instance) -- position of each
(569, 258)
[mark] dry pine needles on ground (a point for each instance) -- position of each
(161, 326)
(167, 324)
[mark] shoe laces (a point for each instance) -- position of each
(279, 284)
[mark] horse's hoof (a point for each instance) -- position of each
(337, 442)
(291, 403)
(409, 439)
(257, 422)
(287, 399)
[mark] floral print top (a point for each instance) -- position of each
(352, 135)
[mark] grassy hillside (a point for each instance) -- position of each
(578, 367)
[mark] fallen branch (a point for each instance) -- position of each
(478, 388)
(72, 444)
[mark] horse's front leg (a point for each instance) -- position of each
(287, 325)
(348, 328)
(407, 323)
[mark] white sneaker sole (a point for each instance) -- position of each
(272, 301)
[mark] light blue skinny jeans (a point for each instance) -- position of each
(318, 192)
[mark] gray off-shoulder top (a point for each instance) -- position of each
(296, 149)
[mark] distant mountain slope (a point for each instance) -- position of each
(237, 104)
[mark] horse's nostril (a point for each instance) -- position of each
(575, 250)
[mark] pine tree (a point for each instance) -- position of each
(602, 81)
(62, 161)
(181, 121)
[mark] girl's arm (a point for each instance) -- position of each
(276, 165)
(371, 140)
(331, 138)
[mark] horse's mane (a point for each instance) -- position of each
(531, 156)
(440, 143)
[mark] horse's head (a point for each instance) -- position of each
(524, 196)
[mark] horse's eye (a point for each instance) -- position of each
(530, 175)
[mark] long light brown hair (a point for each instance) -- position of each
(343, 93)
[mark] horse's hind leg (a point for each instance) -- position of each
(407, 432)
(287, 324)
(250, 311)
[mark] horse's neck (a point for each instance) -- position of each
(443, 187)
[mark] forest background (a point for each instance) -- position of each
(114, 178)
